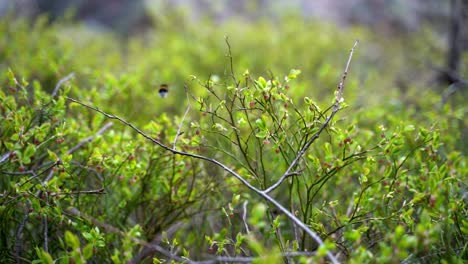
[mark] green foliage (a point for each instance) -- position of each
(385, 181)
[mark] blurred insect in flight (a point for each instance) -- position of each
(163, 90)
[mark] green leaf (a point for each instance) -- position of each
(87, 236)
(11, 78)
(15, 137)
(239, 239)
(261, 134)
(366, 171)
(276, 222)
(30, 150)
(258, 212)
(328, 149)
(261, 124)
(409, 128)
(293, 74)
(25, 160)
(88, 251)
(236, 199)
(261, 82)
(219, 127)
(72, 240)
(44, 257)
(352, 235)
(52, 155)
(363, 178)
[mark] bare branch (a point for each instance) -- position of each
(19, 235)
(183, 118)
(233, 76)
(263, 194)
(336, 107)
(46, 232)
(90, 138)
(98, 191)
(5, 157)
(244, 216)
(60, 82)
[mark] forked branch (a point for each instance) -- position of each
(336, 107)
(264, 195)
(287, 173)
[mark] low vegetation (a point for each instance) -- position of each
(273, 145)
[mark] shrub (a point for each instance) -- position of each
(379, 181)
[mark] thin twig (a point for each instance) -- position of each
(183, 118)
(233, 76)
(19, 235)
(263, 194)
(90, 138)
(60, 82)
(98, 191)
(5, 157)
(46, 231)
(35, 175)
(336, 107)
(244, 216)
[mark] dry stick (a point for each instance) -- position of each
(183, 118)
(60, 82)
(19, 235)
(89, 139)
(46, 233)
(244, 216)
(221, 165)
(336, 107)
(97, 191)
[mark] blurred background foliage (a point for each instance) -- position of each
(267, 39)
(122, 51)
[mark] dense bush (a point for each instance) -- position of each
(384, 180)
